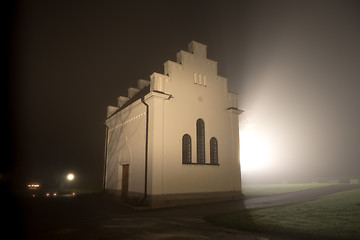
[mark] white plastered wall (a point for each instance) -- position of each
(126, 145)
(193, 99)
(188, 90)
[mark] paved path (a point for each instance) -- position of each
(293, 197)
(207, 209)
(104, 218)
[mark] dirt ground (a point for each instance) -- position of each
(100, 216)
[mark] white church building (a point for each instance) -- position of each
(175, 139)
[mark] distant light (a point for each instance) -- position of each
(33, 195)
(73, 194)
(33, 186)
(55, 194)
(48, 194)
(70, 177)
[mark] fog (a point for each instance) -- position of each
(294, 64)
(300, 93)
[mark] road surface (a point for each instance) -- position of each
(103, 217)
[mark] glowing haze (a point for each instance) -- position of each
(302, 99)
(300, 80)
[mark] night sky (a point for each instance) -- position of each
(294, 64)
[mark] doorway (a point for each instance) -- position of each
(125, 180)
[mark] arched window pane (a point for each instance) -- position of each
(200, 141)
(213, 151)
(186, 149)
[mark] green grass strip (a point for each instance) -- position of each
(336, 216)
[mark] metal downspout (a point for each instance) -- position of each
(146, 145)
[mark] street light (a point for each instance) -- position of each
(70, 177)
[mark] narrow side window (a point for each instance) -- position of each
(200, 141)
(186, 149)
(213, 151)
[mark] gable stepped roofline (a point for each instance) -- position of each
(156, 79)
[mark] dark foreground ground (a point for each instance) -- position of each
(100, 216)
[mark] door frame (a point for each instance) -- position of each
(125, 180)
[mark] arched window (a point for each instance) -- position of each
(200, 141)
(213, 151)
(186, 149)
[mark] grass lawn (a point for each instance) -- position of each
(269, 189)
(336, 216)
